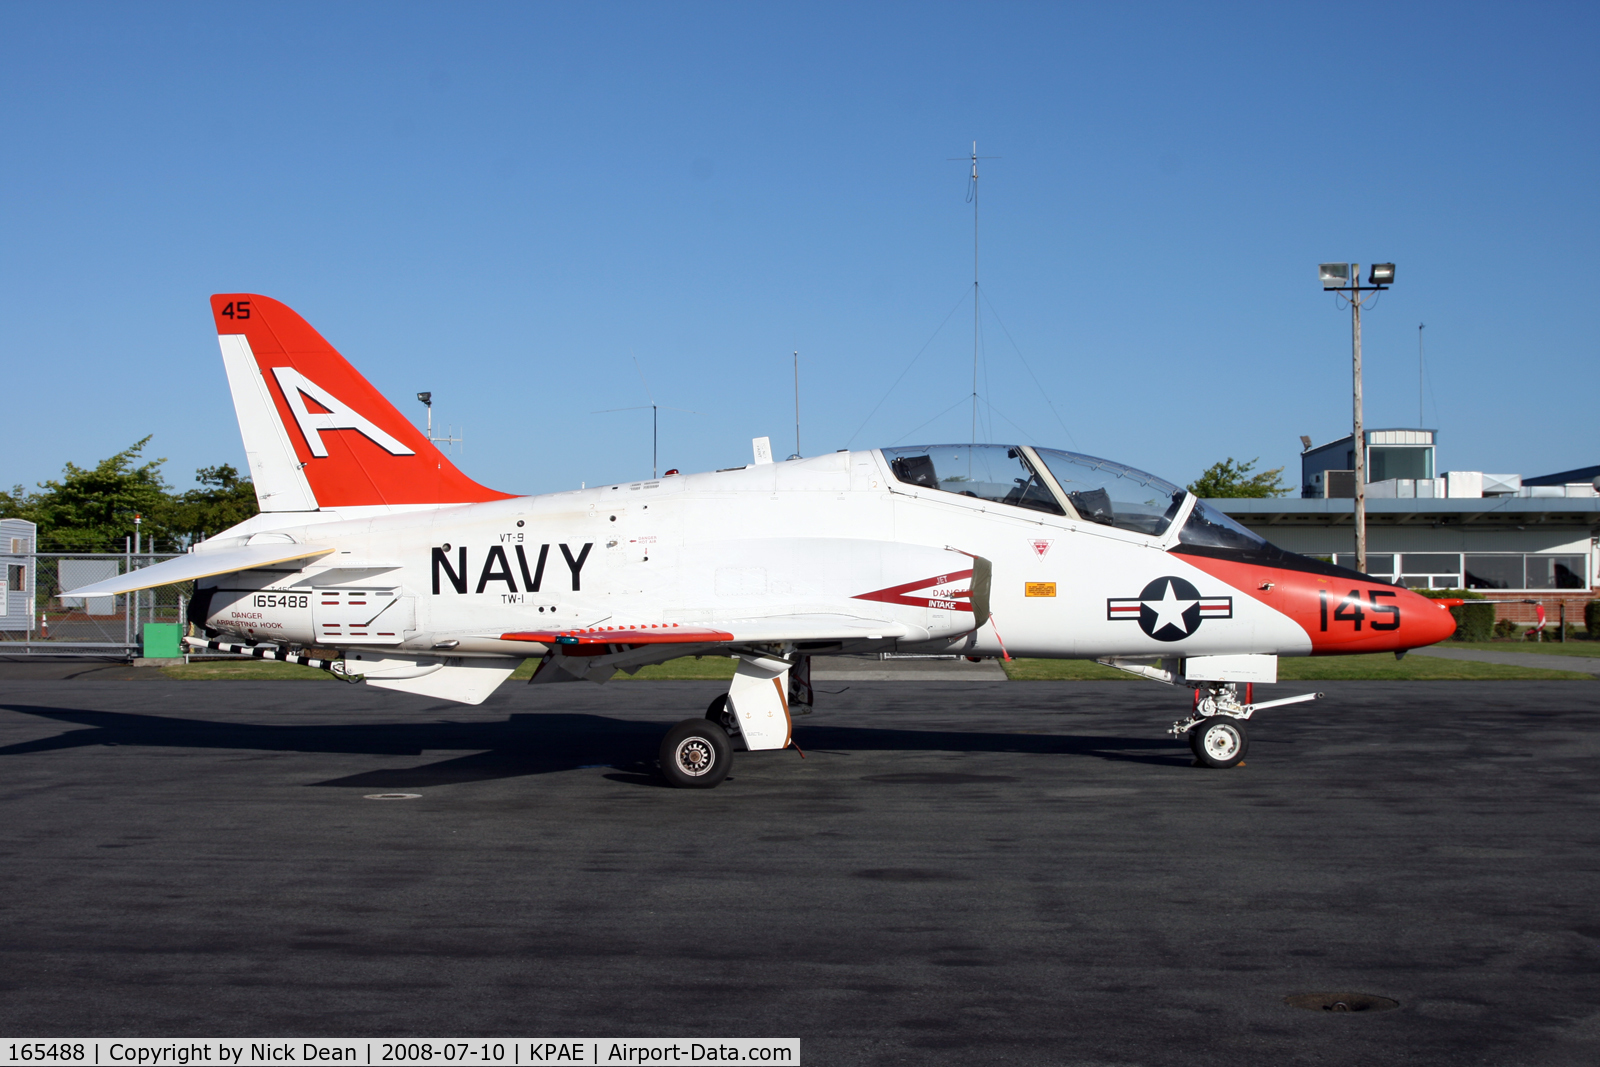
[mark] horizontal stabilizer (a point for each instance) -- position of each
(199, 565)
(461, 679)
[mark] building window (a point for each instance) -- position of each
(15, 580)
(1502, 570)
(1379, 564)
(1556, 572)
(1391, 462)
(1494, 572)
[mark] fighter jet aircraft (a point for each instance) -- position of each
(371, 544)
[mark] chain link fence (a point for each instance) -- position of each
(37, 621)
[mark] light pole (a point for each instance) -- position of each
(1346, 278)
(427, 401)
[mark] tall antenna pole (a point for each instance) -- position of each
(974, 293)
(1420, 327)
(797, 403)
(973, 193)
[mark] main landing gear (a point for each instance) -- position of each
(753, 716)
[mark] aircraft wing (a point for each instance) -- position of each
(199, 565)
(818, 627)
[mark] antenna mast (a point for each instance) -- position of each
(1420, 327)
(972, 194)
(796, 404)
(974, 293)
(447, 439)
(655, 418)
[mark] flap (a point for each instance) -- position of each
(651, 634)
(770, 628)
(199, 565)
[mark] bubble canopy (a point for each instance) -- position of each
(1113, 493)
(1099, 490)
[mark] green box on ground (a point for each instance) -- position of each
(163, 640)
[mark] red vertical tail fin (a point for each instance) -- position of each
(316, 433)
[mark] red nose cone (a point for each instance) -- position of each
(1341, 615)
(1431, 629)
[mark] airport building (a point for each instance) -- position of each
(1514, 539)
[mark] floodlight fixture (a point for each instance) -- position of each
(1381, 274)
(426, 398)
(1334, 275)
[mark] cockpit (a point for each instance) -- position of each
(1073, 486)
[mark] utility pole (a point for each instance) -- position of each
(1360, 435)
(1345, 278)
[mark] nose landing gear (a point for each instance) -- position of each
(1217, 733)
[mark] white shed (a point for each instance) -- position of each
(18, 538)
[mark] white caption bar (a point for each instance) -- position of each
(389, 1052)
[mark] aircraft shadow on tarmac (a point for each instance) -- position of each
(525, 744)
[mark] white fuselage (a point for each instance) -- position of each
(802, 539)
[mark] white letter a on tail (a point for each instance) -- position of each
(338, 416)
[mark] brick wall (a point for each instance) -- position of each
(1524, 613)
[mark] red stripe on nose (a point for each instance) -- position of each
(1341, 615)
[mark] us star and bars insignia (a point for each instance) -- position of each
(1169, 608)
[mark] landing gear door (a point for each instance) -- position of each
(362, 616)
(760, 699)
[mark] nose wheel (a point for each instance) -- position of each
(1220, 741)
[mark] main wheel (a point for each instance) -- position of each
(1220, 741)
(696, 754)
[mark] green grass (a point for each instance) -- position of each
(245, 671)
(1383, 666)
(1063, 670)
(684, 669)
(1379, 667)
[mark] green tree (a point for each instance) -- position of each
(91, 509)
(224, 499)
(1229, 478)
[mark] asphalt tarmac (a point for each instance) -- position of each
(1022, 873)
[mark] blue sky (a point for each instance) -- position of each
(508, 204)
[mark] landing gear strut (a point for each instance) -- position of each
(720, 711)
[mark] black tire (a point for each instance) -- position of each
(1220, 741)
(696, 754)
